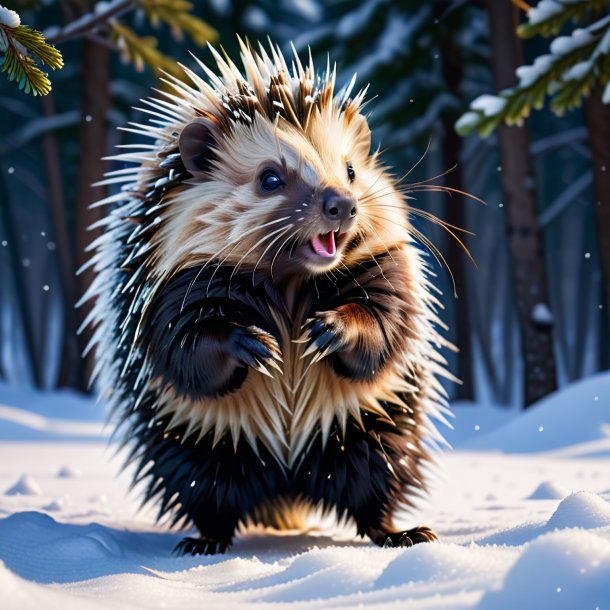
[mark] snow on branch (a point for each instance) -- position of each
(23, 50)
(102, 13)
(573, 66)
(549, 16)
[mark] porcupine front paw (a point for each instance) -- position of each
(403, 539)
(201, 546)
(326, 333)
(255, 348)
(351, 337)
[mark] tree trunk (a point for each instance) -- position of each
(93, 129)
(597, 117)
(524, 239)
(70, 359)
(456, 258)
(22, 293)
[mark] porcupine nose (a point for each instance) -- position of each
(338, 205)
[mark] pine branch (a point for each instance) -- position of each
(22, 49)
(91, 21)
(549, 16)
(142, 51)
(568, 73)
(178, 15)
(36, 45)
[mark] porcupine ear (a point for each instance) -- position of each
(359, 127)
(195, 144)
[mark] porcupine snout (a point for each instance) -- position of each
(338, 205)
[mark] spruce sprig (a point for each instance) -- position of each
(23, 49)
(177, 14)
(551, 23)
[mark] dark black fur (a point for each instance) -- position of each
(208, 325)
(216, 487)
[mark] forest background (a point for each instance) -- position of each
(452, 84)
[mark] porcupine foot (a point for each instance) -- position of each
(402, 539)
(201, 546)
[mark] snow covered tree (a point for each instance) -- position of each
(576, 69)
(524, 239)
(573, 66)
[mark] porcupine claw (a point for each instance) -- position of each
(257, 349)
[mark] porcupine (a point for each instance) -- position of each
(264, 323)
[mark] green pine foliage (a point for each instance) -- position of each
(399, 46)
(142, 51)
(178, 15)
(549, 16)
(574, 64)
(24, 50)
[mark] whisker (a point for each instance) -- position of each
(294, 234)
(281, 231)
(260, 258)
(438, 221)
(443, 189)
(372, 228)
(370, 187)
(427, 180)
(237, 242)
(437, 255)
(366, 294)
(374, 258)
(231, 245)
(417, 163)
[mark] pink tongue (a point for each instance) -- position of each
(321, 249)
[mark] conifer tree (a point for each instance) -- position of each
(575, 69)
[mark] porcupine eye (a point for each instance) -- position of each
(270, 181)
(351, 174)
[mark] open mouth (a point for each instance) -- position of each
(325, 244)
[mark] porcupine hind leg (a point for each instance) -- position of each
(222, 488)
(202, 343)
(364, 474)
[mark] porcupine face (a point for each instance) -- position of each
(288, 193)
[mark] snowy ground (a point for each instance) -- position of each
(522, 509)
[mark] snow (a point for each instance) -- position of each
(528, 75)
(25, 486)
(541, 314)
(573, 422)
(521, 506)
(357, 20)
(9, 18)
(562, 45)
(489, 105)
(578, 71)
(563, 570)
(606, 94)
(549, 490)
(546, 9)
(466, 121)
